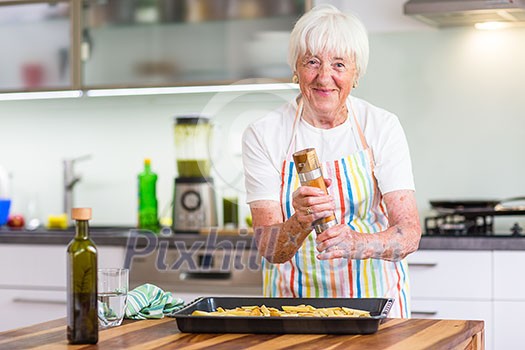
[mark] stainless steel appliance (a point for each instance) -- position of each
(194, 201)
(202, 272)
(473, 217)
(449, 13)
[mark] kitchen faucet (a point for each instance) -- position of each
(70, 180)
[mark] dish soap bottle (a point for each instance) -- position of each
(82, 318)
(148, 216)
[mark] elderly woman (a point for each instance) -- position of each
(366, 166)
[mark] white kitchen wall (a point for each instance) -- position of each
(457, 92)
(118, 132)
(459, 95)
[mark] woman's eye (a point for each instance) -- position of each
(340, 65)
(312, 62)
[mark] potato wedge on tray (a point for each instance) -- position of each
(287, 311)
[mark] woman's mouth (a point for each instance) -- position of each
(323, 92)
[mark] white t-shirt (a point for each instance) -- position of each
(266, 141)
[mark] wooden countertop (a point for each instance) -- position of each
(163, 334)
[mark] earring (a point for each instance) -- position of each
(356, 83)
(295, 79)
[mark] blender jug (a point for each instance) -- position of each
(192, 141)
(194, 206)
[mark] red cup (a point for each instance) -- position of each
(32, 75)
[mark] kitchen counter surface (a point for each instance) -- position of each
(500, 242)
(156, 334)
(121, 237)
(136, 238)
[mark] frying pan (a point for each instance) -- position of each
(473, 204)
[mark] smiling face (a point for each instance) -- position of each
(325, 81)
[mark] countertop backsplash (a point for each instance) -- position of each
(118, 133)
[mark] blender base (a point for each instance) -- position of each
(194, 204)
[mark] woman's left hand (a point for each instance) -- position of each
(400, 239)
(340, 241)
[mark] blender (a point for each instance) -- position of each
(194, 204)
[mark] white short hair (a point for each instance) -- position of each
(326, 29)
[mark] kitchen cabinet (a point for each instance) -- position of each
(452, 309)
(37, 43)
(27, 266)
(85, 44)
(451, 274)
(453, 285)
(215, 272)
(176, 42)
(471, 285)
(507, 284)
(509, 296)
(508, 318)
(24, 307)
(33, 281)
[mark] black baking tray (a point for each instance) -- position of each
(378, 308)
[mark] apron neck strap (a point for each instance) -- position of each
(362, 138)
(297, 117)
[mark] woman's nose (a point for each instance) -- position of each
(324, 73)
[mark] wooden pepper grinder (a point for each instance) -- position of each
(310, 174)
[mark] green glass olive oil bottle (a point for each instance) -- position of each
(82, 319)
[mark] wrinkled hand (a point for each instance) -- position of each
(340, 241)
(311, 203)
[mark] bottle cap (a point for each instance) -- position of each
(147, 161)
(81, 213)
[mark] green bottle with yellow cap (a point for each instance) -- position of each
(148, 218)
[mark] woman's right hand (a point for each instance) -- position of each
(311, 204)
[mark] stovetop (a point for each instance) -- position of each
(471, 222)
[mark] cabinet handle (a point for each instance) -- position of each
(38, 301)
(422, 264)
(425, 313)
(186, 276)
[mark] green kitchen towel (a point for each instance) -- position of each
(149, 301)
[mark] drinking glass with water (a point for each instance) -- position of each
(112, 294)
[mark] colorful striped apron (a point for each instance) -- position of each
(359, 204)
